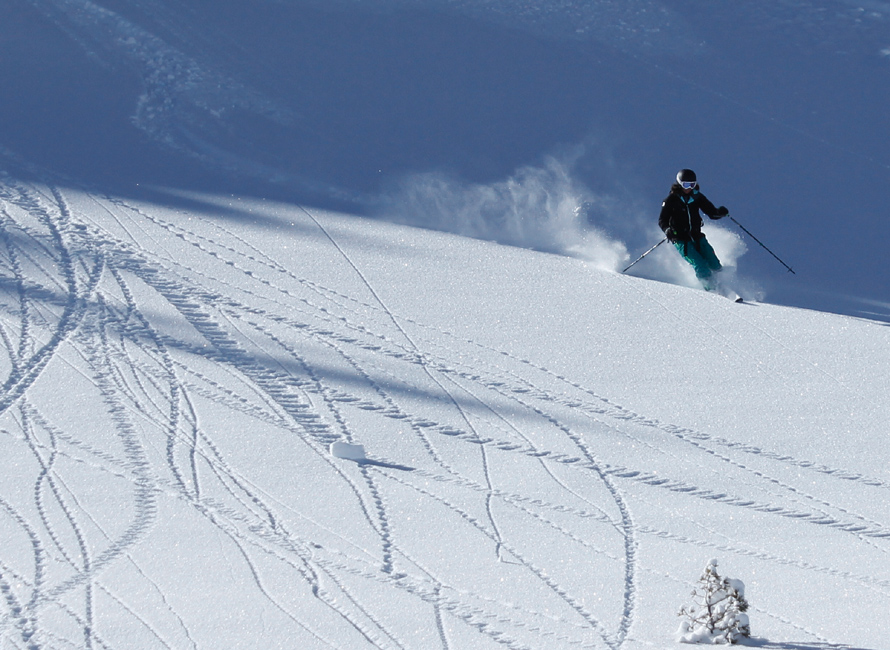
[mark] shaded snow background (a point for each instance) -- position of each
(779, 106)
(210, 271)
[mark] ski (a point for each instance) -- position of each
(724, 292)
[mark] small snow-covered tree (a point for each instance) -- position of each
(717, 614)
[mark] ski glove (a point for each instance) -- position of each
(669, 234)
(722, 211)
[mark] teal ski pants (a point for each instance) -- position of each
(702, 257)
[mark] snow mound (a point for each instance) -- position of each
(347, 451)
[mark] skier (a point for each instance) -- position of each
(681, 222)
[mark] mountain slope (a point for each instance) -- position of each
(552, 452)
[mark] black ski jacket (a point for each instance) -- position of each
(680, 219)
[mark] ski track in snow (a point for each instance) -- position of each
(166, 345)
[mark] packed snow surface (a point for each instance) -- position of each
(248, 424)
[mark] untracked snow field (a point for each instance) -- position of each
(551, 453)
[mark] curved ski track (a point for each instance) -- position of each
(223, 378)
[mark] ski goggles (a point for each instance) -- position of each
(688, 185)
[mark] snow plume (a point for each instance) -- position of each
(671, 267)
(541, 208)
(666, 265)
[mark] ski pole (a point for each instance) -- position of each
(646, 253)
(762, 244)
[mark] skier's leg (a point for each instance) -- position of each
(708, 254)
(702, 268)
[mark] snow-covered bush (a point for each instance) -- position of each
(717, 613)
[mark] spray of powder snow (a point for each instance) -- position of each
(546, 208)
(538, 208)
(666, 265)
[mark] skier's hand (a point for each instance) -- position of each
(722, 211)
(669, 234)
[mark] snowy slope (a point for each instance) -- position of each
(554, 452)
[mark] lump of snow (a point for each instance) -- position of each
(738, 585)
(347, 451)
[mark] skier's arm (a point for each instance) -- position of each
(664, 219)
(708, 208)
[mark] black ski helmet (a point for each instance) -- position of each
(686, 176)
